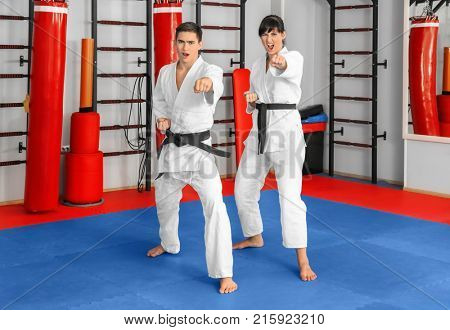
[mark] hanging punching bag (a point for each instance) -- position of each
(166, 18)
(46, 105)
(242, 120)
(422, 75)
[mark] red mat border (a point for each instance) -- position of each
(374, 197)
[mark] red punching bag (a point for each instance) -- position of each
(84, 163)
(166, 18)
(84, 132)
(242, 120)
(422, 75)
(444, 114)
(84, 180)
(46, 105)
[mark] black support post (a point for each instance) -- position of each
(148, 96)
(30, 39)
(94, 36)
(30, 51)
(375, 93)
(242, 34)
(332, 85)
(198, 12)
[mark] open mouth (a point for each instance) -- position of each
(185, 55)
(270, 46)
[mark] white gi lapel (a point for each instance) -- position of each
(187, 87)
(264, 78)
(184, 98)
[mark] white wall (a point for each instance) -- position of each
(427, 167)
(308, 27)
(119, 171)
(427, 158)
(12, 91)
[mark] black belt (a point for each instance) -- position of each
(192, 139)
(262, 120)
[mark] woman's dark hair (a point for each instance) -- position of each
(270, 23)
(189, 27)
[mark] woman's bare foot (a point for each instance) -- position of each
(156, 251)
(227, 285)
(306, 273)
(254, 241)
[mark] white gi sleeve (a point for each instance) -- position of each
(294, 68)
(160, 107)
(214, 73)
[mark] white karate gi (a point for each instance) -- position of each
(284, 151)
(191, 113)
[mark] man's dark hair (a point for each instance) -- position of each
(270, 23)
(190, 27)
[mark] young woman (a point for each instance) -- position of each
(276, 140)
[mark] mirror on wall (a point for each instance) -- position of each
(426, 75)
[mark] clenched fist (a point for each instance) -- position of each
(251, 98)
(278, 62)
(203, 85)
(163, 124)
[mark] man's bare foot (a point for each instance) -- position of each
(156, 251)
(227, 285)
(306, 273)
(254, 241)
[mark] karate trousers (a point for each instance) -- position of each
(217, 233)
(287, 164)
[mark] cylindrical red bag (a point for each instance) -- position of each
(166, 18)
(444, 108)
(242, 120)
(87, 74)
(422, 75)
(84, 178)
(445, 129)
(46, 106)
(84, 132)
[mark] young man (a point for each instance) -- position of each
(276, 140)
(184, 102)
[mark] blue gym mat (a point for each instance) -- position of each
(364, 259)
